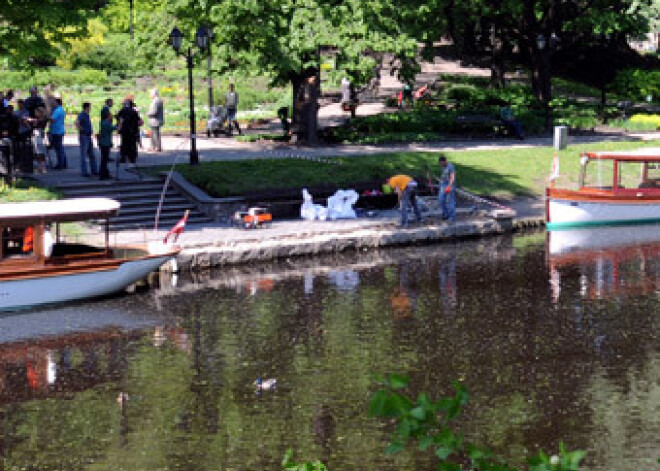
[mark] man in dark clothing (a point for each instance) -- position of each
(128, 123)
(33, 102)
(85, 132)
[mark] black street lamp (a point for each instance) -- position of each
(211, 36)
(202, 40)
(545, 47)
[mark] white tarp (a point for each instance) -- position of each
(340, 206)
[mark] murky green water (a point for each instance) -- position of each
(551, 348)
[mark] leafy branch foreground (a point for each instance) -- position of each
(428, 423)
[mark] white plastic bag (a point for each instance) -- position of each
(307, 210)
(310, 211)
(340, 205)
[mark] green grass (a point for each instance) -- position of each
(500, 172)
(23, 190)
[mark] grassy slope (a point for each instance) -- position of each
(499, 172)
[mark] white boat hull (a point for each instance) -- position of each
(567, 214)
(601, 238)
(56, 288)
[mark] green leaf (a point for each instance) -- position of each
(378, 403)
(443, 452)
(418, 413)
(398, 381)
(393, 448)
(571, 461)
(288, 455)
(449, 466)
(425, 442)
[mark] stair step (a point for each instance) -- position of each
(166, 209)
(153, 202)
(121, 225)
(127, 195)
(139, 202)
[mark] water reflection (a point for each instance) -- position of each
(539, 369)
(610, 261)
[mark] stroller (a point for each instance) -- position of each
(217, 122)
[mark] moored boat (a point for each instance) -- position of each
(613, 188)
(38, 266)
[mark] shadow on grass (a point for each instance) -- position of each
(483, 182)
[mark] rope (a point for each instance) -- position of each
(471, 196)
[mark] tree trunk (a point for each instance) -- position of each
(497, 59)
(306, 90)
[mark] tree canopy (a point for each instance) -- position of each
(33, 30)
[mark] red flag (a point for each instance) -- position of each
(177, 229)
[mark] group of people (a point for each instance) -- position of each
(127, 122)
(25, 119)
(41, 121)
(406, 189)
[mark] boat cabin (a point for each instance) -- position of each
(635, 172)
(30, 232)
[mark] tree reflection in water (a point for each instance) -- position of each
(481, 312)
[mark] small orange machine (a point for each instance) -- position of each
(253, 218)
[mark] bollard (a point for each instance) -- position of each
(560, 137)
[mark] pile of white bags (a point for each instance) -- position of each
(340, 206)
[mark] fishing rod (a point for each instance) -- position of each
(167, 183)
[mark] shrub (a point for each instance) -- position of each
(650, 120)
(460, 93)
(636, 84)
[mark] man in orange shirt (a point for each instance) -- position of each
(406, 189)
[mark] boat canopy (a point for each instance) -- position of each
(66, 210)
(650, 154)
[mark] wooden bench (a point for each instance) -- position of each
(482, 123)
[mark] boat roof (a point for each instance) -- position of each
(649, 154)
(65, 210)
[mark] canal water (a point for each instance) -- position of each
(554, 344)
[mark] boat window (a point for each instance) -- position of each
(638, 174)
(17, 241)
(650, 175)
(598, 174)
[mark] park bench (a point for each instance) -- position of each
(480, 123)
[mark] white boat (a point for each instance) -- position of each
(613, 188)
(37, 267)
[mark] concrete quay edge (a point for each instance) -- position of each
(255, 250)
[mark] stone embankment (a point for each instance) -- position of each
(302, 239)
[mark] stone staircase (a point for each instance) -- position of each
(139, 202)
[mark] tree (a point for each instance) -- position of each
(287, 39)
(33, 30)
(562, 27)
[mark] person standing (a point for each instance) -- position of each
(105, 143)
(231, 101)
(85, 132)
(33, 102)
(156, 119)
(107, 109)
(129, 130)
(38, 123)
(406, 189)
(447, 192)
(57, 131)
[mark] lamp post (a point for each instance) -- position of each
(545, 46)
(202, 40)
(209, 58)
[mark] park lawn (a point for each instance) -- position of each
(502, 173)
(23, 190)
